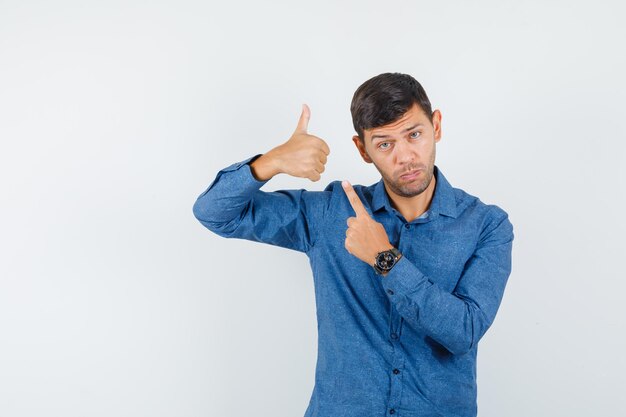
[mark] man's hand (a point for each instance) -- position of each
(365, 237)
(303, 155)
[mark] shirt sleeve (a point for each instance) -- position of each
(233, 206)
(456, 320)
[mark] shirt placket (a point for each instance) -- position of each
(396, 370)
(395, 333)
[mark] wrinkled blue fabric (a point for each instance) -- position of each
(404, 344)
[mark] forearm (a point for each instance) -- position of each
(458, 319)
(449, 320)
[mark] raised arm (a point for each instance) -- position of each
(233, 205)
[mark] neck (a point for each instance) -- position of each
(413, 207)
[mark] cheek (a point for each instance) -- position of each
(386, 159)
(383, 163)
(426, 148)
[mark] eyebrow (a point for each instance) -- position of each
(405, 130)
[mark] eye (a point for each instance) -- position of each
(415, 135)
(384, 146)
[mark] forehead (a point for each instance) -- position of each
(413, 116)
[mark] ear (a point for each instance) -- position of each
(361, 147)
(437, 124)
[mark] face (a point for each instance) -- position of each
(403, 151)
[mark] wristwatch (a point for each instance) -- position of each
(385, 260)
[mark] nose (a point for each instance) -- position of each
(404, 153)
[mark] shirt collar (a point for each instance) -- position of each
(443, 201)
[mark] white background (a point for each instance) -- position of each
(115, 116)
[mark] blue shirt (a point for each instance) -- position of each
(404, 344)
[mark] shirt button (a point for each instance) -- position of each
(396, 371)
(392, 411)
(394, 336)
(407, 226)
(390, 292)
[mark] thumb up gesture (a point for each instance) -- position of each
(303, 155)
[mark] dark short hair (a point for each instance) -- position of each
(384, 99)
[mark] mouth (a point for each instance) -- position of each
(411, 175)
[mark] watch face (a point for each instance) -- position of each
(385, 260)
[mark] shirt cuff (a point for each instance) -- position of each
(404, 278)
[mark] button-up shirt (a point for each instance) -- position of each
(402, 344)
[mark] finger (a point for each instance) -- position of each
(303, 123)
(323, 159)
(321, 145)
(314, 176)
(354, 199)
(325, 147)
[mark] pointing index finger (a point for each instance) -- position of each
(353, 198)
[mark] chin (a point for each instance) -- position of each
(410, 190)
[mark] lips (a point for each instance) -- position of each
(411, 175)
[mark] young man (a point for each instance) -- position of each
(409, 272)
